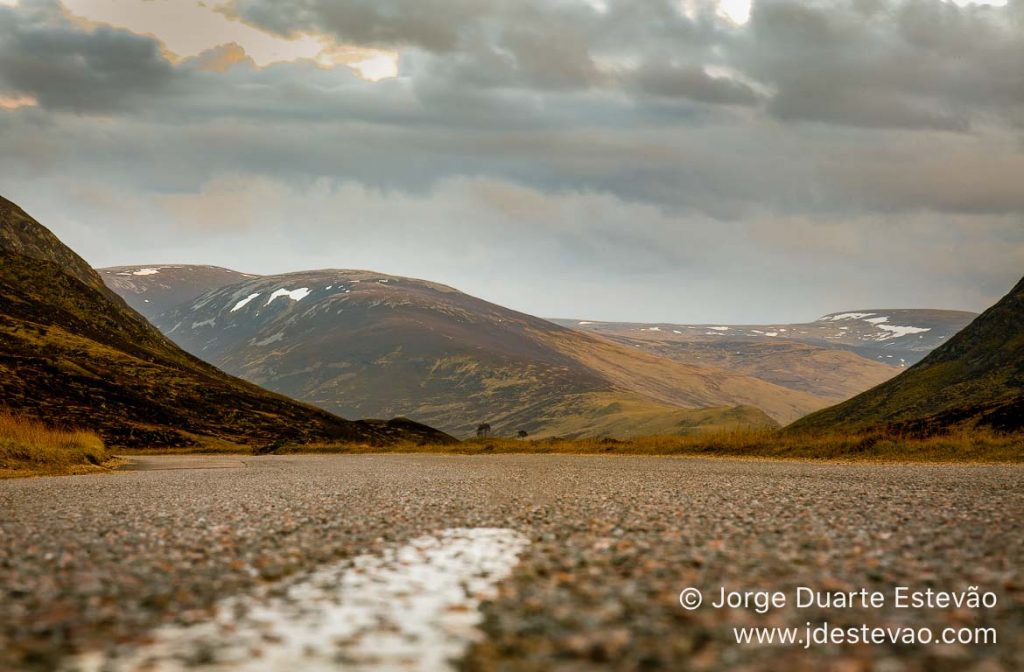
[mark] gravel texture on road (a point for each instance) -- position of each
(89, 561)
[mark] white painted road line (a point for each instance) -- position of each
(411, 608)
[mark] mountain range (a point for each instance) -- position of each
(835, 357)
(895, 337)
(365, 343)
(72, 352)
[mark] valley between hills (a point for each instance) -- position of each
(190, 357)
(360, 344)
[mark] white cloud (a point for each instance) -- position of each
(737, 11)
(377, 67)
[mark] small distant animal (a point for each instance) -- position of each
(521, 434)
(483, 431)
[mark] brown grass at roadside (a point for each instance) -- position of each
(964, 447)
(30, 448)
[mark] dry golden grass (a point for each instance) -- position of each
(29, 448)
(965, 447)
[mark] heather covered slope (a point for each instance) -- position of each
(72, 352)
(364, 343)
(974, 380)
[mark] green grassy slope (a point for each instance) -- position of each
(624, 415)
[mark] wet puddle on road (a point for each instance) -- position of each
(411, 608)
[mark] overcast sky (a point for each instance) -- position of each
(648, 160)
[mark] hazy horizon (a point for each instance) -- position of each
(678, 161)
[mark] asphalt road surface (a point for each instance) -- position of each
(504, 563)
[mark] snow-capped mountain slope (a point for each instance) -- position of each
(902, 331)
(976, 379)
(154, 289)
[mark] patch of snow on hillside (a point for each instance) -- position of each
(584, 322)
(877, 320)
(241, 304)
(146, 271)
(773, 334)
(651, 329)
(846, 316)
(897, 332)
(205, 323)
(294, 295)
(719, 328)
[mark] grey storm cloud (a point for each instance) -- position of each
(910, 64)
(874, 63)
(534, 44)
(629, 143)
(66, 68)
(435, 25)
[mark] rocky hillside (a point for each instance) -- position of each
(71, 351)
(363, 343)
(975, 379)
